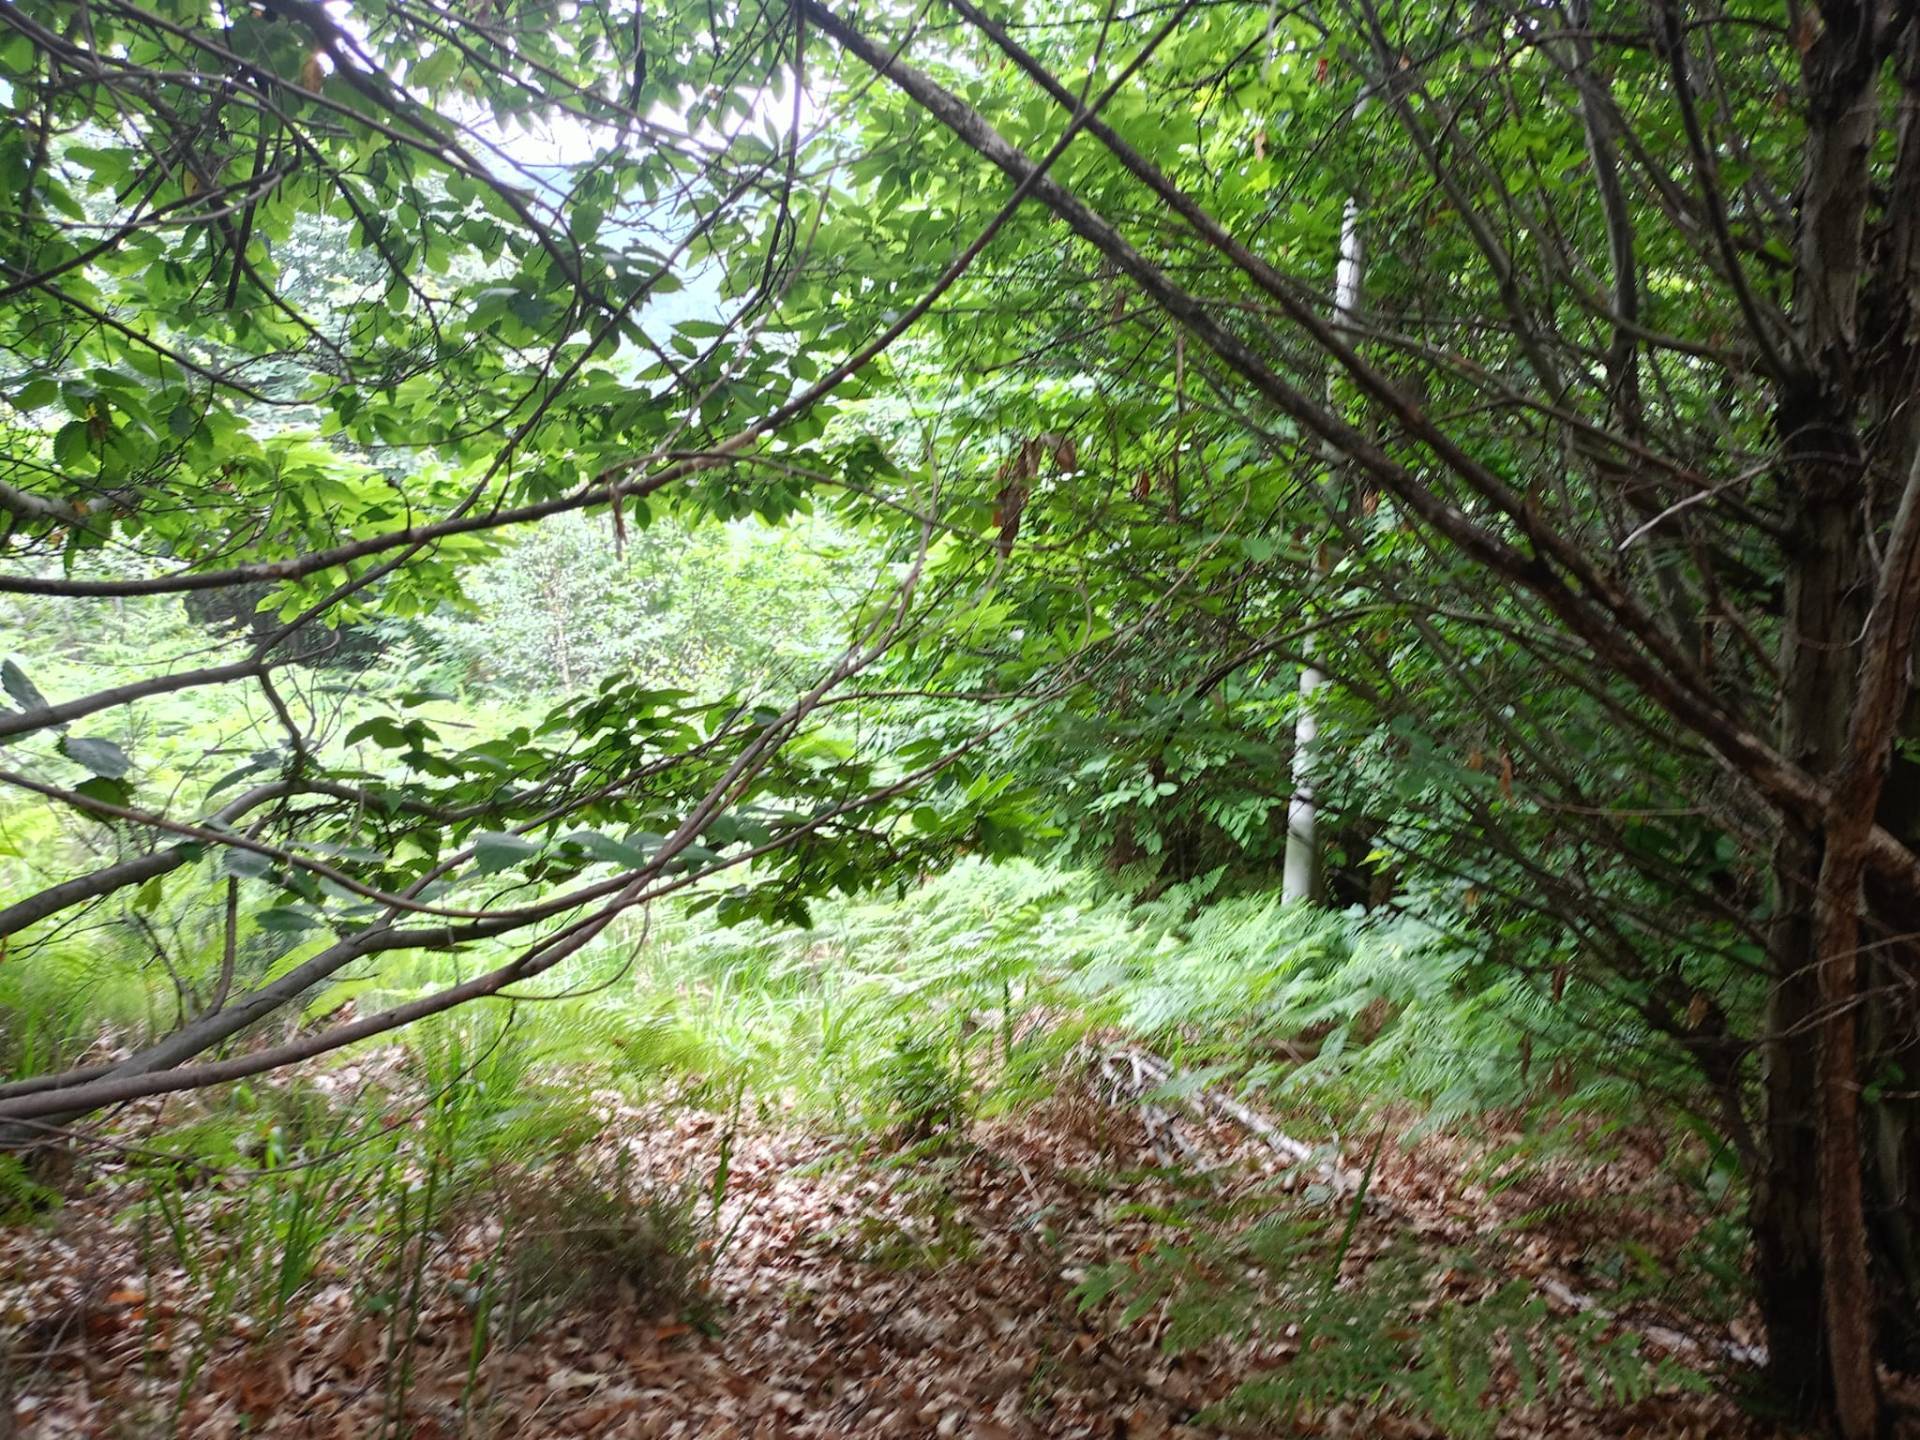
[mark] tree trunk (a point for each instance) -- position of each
(1890, 1043)
(1785, 1208)
(1807, 1195)
(1827, 586)
(1890, 1066)
(1890, 1032)
(1301, 872)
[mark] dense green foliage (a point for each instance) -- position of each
(1407, 518)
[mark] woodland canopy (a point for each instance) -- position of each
(488, 484)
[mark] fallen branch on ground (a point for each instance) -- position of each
(1344, 1182)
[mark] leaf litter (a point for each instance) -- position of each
(848, 1292)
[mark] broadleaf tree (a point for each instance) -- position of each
(1631, 399)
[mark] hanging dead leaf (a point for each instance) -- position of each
(1698, 1009)
(1008, 506)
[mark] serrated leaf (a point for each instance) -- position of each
(35, 395)
(71, 443)
(24, 692)
(102, 757)
(245, 864)
(381, 730)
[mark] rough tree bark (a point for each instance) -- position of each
(1811, 1248)
(1826, 598)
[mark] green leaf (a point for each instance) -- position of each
(106, 790)
(494, 850)
(35, 395)
(72, 443)
(23, 690)
(246, 864)
(382, 730)
(287, 920)
(102, 757)
(605, 847)
(147, 898)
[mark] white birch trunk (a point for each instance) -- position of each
(1300, 874)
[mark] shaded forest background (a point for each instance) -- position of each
(1293, 623)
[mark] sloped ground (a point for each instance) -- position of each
(853, 1298)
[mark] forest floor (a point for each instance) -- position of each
(849, 1295)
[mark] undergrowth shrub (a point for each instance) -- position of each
(141, 964)
(569, 1234)
(24, 1196)
(258, 1198)
(1016, 964)
(62, 998)
(924, 1230)
(922, 1089)
(884, 1014)
(1380, 1323)
(904, 1018)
